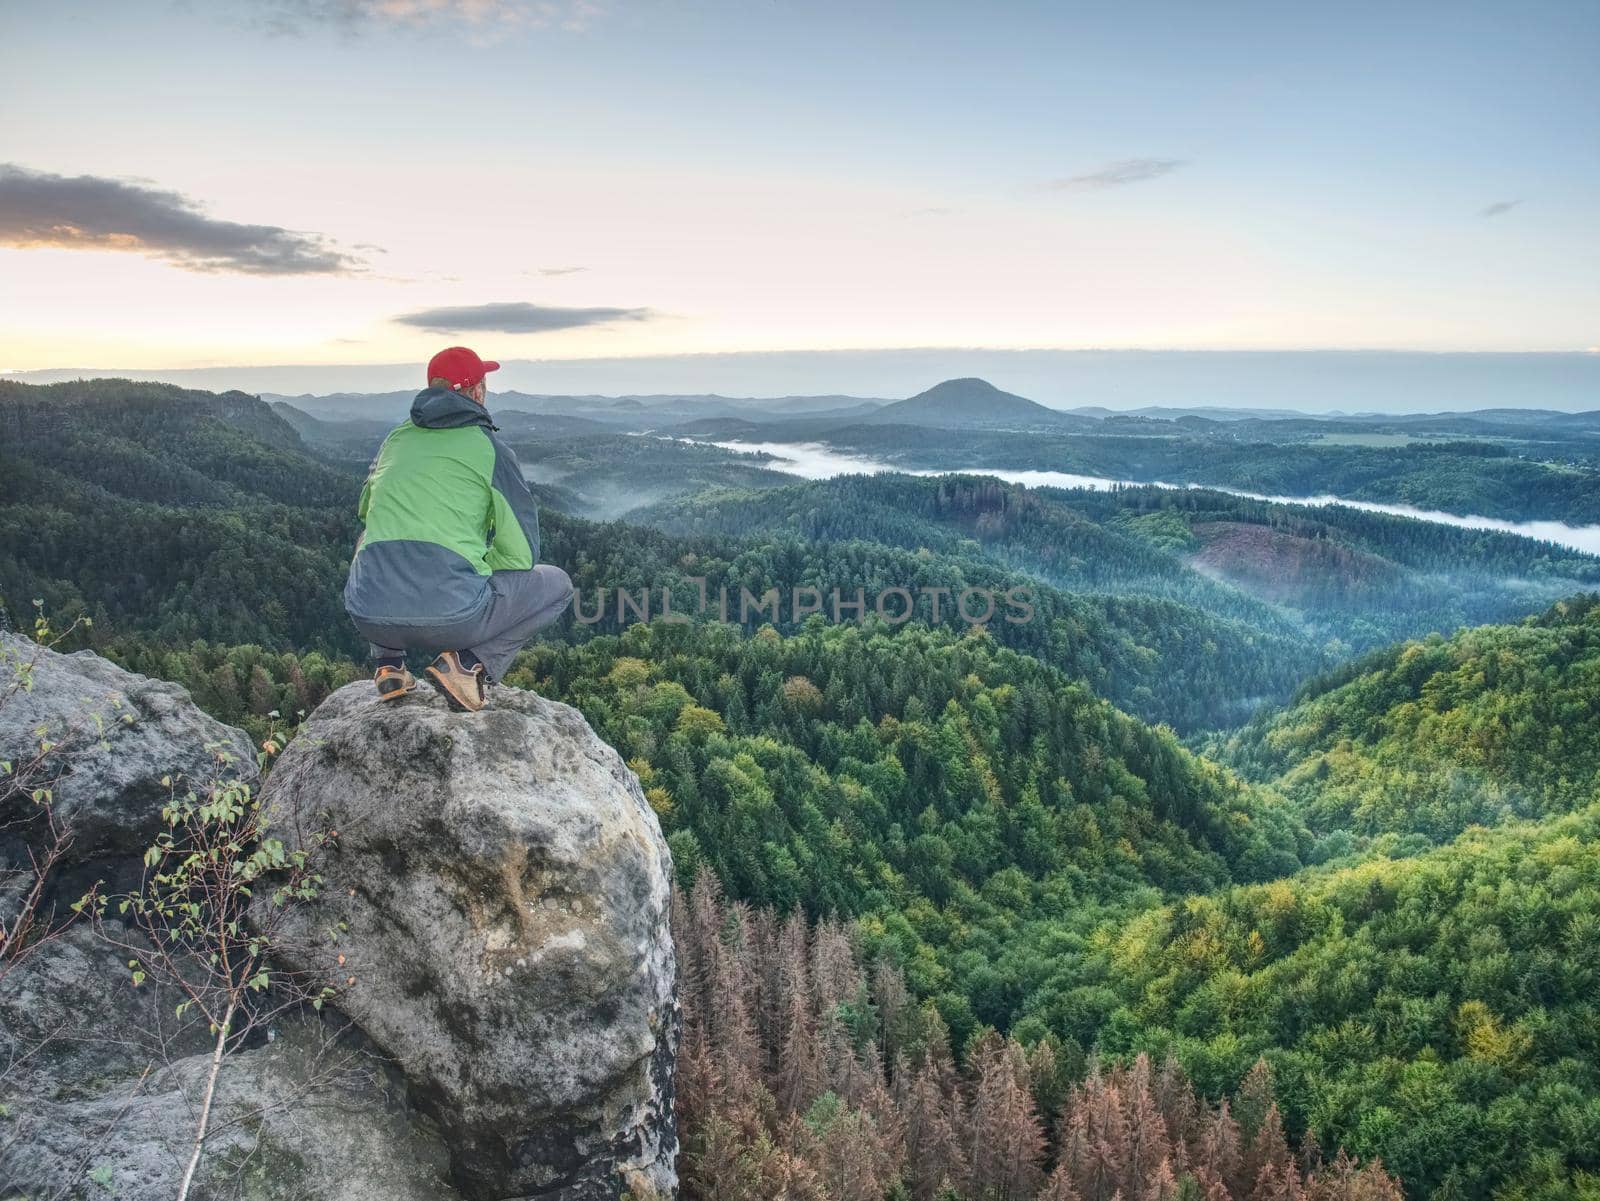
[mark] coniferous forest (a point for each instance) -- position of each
(1260, 863)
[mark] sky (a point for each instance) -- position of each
(226, 182)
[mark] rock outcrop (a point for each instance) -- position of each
(499, 890)
(117, 736)
(505, 894)
(103, 1105)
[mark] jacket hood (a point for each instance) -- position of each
(443, 409)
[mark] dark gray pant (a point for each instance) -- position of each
(521, 604)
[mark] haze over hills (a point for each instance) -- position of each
(962, 403)
(1517, 465)
(1348, 381)
(656, 408)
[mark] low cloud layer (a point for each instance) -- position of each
(516, 317)
(484, 18)
(1498, 207)
(1117, 174)
(92, 212)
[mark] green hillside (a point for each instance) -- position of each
(163, 511)
(967, 798)
(1315, 575)
(1431, 737)
(1441, 1012)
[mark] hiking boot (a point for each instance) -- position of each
(464, 689)
(393, 682)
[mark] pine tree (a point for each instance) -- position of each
(1008, 1143)
(1310, 1157)
(1059, 1187)
(735, 1044)
(1251, 1102)
(1147, 1145)
(1162, 1185)
(849, 1157)
(932, 1139)
(1269, 1152)
(1075, 1155)
(1218, 1152)
(1179, 1111)
(801, 1078)
(889, 993)
(834, 975)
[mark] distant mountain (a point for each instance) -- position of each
(656, 412)
(1513, 419)
(1504, 421)
(963, 403)
(392, 407)
(1309, 381)
(315, 431)
(634, 412)
(1172, 413)
(710, 402)
(357, 439)
(349, 406)
(863, 408)
(547, 425)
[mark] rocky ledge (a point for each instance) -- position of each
(495, 912)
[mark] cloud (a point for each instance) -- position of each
(560, 270)
(516, 317)
(486, 20)
(92, 212)
(930, 211)
(1115, 175)
(1498, 207)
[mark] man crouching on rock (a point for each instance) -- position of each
(446, 563)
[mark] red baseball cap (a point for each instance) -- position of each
(462, 367)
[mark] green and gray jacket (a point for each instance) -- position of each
(444, 505)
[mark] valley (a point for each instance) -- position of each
(1298, 783)
(815, 460)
